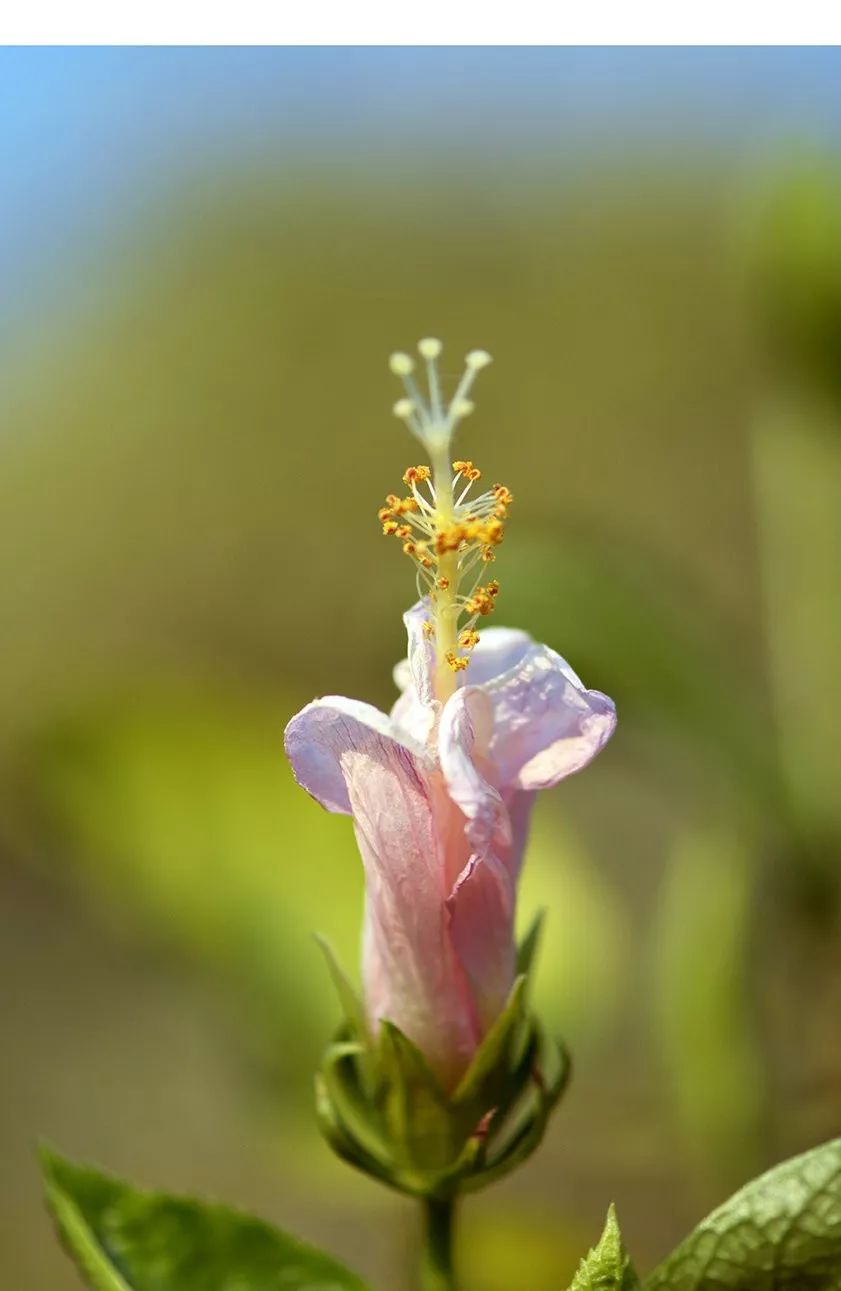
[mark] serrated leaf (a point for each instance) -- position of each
(782, 1232)
(607, 1267)
(125, 1240)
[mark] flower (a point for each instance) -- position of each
(441, 789)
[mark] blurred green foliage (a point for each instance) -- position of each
(190, 474)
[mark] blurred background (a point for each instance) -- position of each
(206, 256)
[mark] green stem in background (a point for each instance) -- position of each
(437, 1273)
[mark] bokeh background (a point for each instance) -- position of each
(206, 256)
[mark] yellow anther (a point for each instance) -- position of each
(416, 475)
(448, 528)
(449, 539)
(482, 600)
(494, 530)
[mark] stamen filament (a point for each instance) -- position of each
(446, 534)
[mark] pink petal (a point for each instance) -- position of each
(546, 723)
(320, 738)
(482, 900)
(411, 973)
(417, 708)
(481, 907)
(464, 735)
(499, 650)
(353, 759)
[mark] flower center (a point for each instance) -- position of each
(448, 528)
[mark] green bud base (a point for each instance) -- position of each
(383, 1110)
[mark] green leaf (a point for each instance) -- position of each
(607, 1267)
(124, 1240)
(782, 1232)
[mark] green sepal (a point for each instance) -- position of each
(414, 1137)
(607, 1267)
(383, 1110)
(782, 1232)
(523, 1133)
(530, 945)
(415, 1108)
(353, 1114)
(124, 1240)
(485, 1079)
(356, 1024)
(348, 997)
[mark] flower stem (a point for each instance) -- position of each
(437, 1273)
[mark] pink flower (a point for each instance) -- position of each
(440, 796)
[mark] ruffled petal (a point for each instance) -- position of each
(416, 709)
(482, 899)
(320, 739)
(418, 668)
(519, 804)
(547, 725)
(499, 650)
(481, 908)
(464, 736)
(411, 972)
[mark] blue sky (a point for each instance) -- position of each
(84, 129)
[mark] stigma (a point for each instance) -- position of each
(430, 419)
(446, 523)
